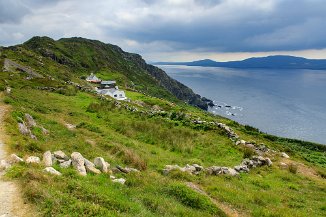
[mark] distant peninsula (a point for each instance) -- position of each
(269, 62)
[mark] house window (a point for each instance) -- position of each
(115, 95)
(120, 95)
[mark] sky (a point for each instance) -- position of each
(176, 30)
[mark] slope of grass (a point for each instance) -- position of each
(147, 143)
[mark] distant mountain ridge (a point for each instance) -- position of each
(269, 62)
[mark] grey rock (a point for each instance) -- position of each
(269, 162)
(121, 181)
(90, 167)
(78, 163)
(4, 165)
(30, 120)
(23, 129)
(33, 159)
(65, 164)
(60, 155)
(284, 155)
(101, 164)
(53, 171)
(13, 158)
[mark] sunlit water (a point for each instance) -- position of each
(288, 103)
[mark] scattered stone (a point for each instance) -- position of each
(60, 155)
(78, 162)
(30, 120)
(90, 167)
(112, 177)
(23, 129)
(284, 155)
(122, 169)
(53, 171)
(4, 165)
(268, 162)
(101, 164)
(45, 131)
(33, 136)
(8, 90)
(169, 168)
(232, 172)
(241, 168)
(198, 167)
(242, 142)
(33, 159)
(13, 158)
(70, 126)
(65, 164)
(237, 142)
(189, 168)
(121, 181)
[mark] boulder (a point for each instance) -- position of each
(198, 167)
(60, 155)
(214, 170)
(90, 167)
(45, 131)
(53, 171)
(23, 129)
(121, 181)
(101, 164)
(30, 120)
(78, 163)
(242, 142)
(13, 158)
(4, 165)
(268, 162)
(65, 164)
(232, 172)
(284, 155)
(169, 168)
(33, 159)
(47, 159)
(189, 168)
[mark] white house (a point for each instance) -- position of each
(114, 93)
(93, 79)
(109, 88)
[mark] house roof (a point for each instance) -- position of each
(108, 82)
(92, 77)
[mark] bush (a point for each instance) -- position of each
(248, 152)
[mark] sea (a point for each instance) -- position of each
(286, 103)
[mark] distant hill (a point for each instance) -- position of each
(270, 62)
(70, 58)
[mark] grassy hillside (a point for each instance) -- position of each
(82, 56)
(145, 140)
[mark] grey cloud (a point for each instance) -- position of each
(180, 25)
(12, 11)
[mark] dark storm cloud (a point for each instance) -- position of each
(172, 25)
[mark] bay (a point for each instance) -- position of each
(287, 103)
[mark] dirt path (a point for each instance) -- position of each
(11, 202)
(229, 211)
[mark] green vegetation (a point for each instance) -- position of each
(146, 141)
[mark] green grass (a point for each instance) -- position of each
(147, 142)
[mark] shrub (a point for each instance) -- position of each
(248, 152)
